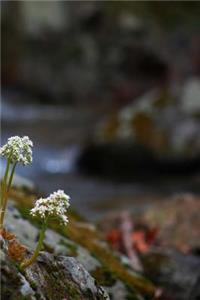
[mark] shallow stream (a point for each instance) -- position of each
(58, 134)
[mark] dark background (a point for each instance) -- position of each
(109, 92)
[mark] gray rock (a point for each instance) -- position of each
(179, 274)
(60, 269)
(14, 285)
(61, 277)
(51, 278)
(191, 95)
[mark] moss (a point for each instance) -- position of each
(111, 262)
(72, 248)
(132, 294)
(163, 100)
(73, 293)
(103, 276)
(33, 284)
(57, 283)
(11, 282)
(154, 263)
(75, 215)
(90, 239)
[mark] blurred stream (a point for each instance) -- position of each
(58, 134)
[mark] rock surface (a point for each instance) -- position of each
(178, 273)
(166, 240)
(153, 135)
(158, 121)
(94, 271)
(176, 228)
(50, 277)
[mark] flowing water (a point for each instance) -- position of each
(58, 134)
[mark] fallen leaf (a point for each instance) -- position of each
(114, 237)
(139, 241)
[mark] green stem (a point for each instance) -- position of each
(5, 180)
(6, 171)
(4, 194)
(11, 176)
(5, 191)
(32, 259)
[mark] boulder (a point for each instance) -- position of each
(178, 274)
(152, 135)
(51, 277)
(75, 256)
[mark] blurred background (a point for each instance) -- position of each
(109, 92)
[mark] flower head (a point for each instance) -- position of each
(55, 205)
(18, 149)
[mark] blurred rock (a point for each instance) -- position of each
(177, 273)
(151, 135)
(177, 221)
(169, 236)
(191, 96)
(67, 53)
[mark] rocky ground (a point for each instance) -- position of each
(165, 239)
(77, 262)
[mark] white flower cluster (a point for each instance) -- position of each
(18, 149)
(55, 205)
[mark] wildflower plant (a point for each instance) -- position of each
(16, 150)
(19, 150)
(53, 207)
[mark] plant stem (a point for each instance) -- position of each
(32, 259)
(11, 176)
(5, 180)
(6, 171)
(4, 193)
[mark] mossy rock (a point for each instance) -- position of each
(83, 241)
(50, 277)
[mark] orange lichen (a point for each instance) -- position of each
(6, 235)
(16, 251)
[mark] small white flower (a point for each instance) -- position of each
(18, 149)
(55, 205)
